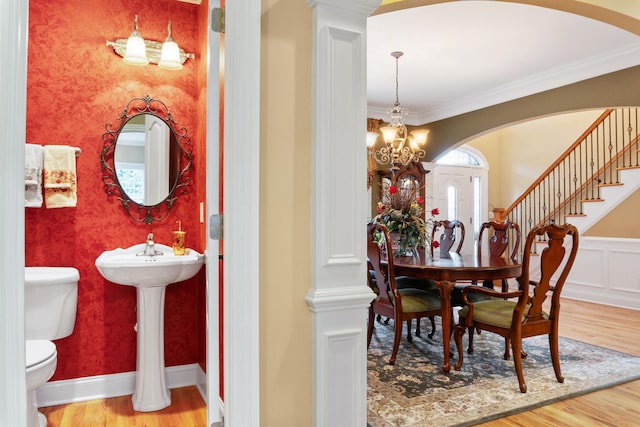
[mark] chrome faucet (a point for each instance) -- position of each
(149, 249)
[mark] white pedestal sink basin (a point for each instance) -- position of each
(150, 275)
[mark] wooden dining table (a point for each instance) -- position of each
(445, 270)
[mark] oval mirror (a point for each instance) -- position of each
(144, 160)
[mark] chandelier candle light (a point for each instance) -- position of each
(399, 147)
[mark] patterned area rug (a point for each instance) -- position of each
(415, 392)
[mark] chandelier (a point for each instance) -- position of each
(399, 147)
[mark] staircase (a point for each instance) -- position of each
(595, 174)
(599, 171)
(610, 197)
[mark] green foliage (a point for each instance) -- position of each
(401, 212)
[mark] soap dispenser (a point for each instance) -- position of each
(179, 240)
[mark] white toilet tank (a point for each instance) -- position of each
(50, 301)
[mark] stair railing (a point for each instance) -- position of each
(591, 162)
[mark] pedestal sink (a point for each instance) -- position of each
(150, 275)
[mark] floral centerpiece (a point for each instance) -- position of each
(401, 212)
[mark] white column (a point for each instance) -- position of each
(339, 296)
(13, 100)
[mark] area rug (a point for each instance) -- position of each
(415, 392)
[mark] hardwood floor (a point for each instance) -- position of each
(610, 327)
(187, 409)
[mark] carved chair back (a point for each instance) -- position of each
(502, 235)
(553, 259)
(381, 273)
(452, 233)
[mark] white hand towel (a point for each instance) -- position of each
(33, 162)
(59, 176)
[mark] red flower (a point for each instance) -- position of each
(435, 212)
(419, 200)
(393, 189)
(435, 244)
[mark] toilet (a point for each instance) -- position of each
(50, 301)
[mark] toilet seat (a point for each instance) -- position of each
(39, 352)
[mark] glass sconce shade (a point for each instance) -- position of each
(170, 59)
(136, 53)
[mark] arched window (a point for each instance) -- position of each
(459, 157)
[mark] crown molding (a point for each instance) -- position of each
(624, 57)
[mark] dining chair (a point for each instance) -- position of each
(519, 314)
(401, 305)
(451, 239)
(500, 237)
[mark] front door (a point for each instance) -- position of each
(460, 193)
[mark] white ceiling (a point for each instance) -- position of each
(464, 55)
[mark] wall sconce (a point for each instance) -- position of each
(137, 51)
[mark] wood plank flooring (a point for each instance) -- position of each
(187, 409)
(610, 327)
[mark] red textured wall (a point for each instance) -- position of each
(75, 86)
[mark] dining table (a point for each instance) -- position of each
(450, 267)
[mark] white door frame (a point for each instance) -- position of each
(14, 16)
(241, 207)
(215, 405)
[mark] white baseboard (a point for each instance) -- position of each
(201, 383)
(112, 385)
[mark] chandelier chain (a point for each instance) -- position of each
(397, 97)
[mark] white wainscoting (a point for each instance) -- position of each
(112, 385)
(606, 271)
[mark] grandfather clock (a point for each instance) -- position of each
(411, 176)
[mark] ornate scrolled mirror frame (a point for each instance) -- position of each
(179, 179)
